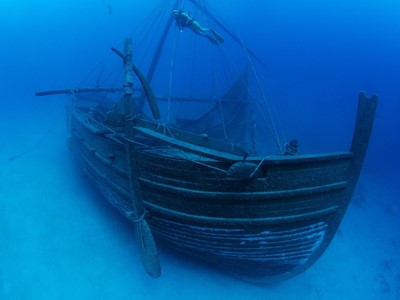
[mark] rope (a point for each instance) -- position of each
(131, 216)
(155, 14)
(223, 118)
(100, 64)
(215, 84)
(145, 146)
(41, 140)
(275, 133)
(259, 165)
(170, 75)
(151, 33)
(200, 163)
(74, 98)
(161, 150)
(145, 27)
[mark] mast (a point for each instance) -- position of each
(160, 46)
(148, 249)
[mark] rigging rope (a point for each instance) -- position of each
(95, 68)
(215, 81)
(275, 133)
(145, 28)
(150, 31)
(151, 34)
(41, 140)
(170, 74)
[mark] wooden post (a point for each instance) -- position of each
(148, 249)
(362, 134)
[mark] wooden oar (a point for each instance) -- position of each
(148, 249)
(77, 91)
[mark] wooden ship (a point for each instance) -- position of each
(263, 218)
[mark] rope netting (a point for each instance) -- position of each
(189, 66)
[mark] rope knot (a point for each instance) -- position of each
(132, 216)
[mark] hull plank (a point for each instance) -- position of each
(267, 226)
(193, 178)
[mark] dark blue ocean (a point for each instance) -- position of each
(60, 240)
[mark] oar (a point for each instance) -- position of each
(148, 249)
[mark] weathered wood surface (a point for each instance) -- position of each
(265, 228)
(148, 249)
(78, 91)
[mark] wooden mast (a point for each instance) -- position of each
(148, 249)
(160, 46)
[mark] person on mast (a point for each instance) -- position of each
(185, 20)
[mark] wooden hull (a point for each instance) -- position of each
(263, 227)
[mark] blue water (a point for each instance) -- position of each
(58, 241)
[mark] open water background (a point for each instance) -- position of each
(59, 241)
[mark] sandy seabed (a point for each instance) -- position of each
(60, 240)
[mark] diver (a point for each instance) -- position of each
(184, 19)
(291, 148)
